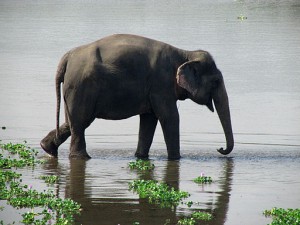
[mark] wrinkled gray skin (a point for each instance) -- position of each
(125, 75)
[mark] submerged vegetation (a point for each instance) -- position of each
(44, 207)
(283, 216)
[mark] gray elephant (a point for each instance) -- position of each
(123, 75)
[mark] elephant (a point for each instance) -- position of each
(125, 75)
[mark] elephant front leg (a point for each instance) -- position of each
(148, 124)
(50, 143)
(78, 145)
(170, 126)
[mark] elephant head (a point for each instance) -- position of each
(204, 84)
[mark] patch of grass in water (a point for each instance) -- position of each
(44, 206)
(187, 221)
(203, 179)
(141, 165)
(20, 155)
(50, 179)
(202, 216)
(167, 197)
(194, 218)
(282, 216)
(158, 193)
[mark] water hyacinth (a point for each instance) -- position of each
(187, 221)
(282, 216)
(141, 165)
(196, 216)
(158, 193)
(22, 156)
(44, 206)
(202, 179)
(50, 179)
(202, 216)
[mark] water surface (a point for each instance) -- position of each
(259, 59)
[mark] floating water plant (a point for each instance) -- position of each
(22, 156)
(186, 221)
(158, 193)
(44, 206)
(50, 179)
(282, 216)
(194, 217)
(141, 165)
(202, 179)
(167, 197)
(241, 17)
(202, 216)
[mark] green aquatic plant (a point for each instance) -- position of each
(242, 17)
(282, 216)
(22, 150)
(202, 216)
(189, 203)
(8, 175)
(194, 218)
(202, 179)
(22, 155)
(186, 221)
(158, 193)
(167, 197)
(141, 165)
(30, 217)
(44, 206)
(50, 179)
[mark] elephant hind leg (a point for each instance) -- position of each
(78, 144)
(50, 143)
(80, 116)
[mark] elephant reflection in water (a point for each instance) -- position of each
(117, 210)
(114, 210)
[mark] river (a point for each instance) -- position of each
(254, 43)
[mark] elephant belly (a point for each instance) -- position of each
(121, 108)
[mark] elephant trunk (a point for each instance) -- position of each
(221, 103)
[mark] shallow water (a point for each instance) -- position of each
(259, 58)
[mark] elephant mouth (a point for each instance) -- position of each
(210, 105)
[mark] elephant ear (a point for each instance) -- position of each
(186, 76)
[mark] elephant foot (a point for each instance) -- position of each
(141, 156)
(77, 155)
(174, 157)
(49, 147)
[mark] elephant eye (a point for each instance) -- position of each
(194, 70)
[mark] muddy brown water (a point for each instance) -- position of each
(259, 58)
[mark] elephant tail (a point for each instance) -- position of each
(60, 75)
